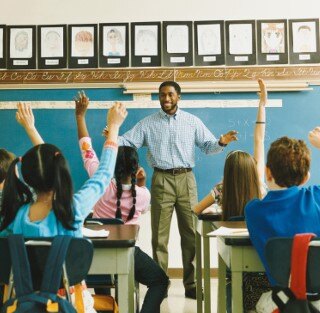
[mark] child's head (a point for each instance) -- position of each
(288, 162)
(240, 183)
(6, 158)
(127, 165)
(44, 169)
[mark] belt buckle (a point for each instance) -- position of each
(176, 171)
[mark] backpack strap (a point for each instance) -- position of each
(53, 269)
(20, 265)
(299, 260)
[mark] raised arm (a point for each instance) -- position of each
(25, 118)
(204, 203)
(82, 102)
(259, 131)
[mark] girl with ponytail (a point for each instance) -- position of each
(126, 197)
(56, 210)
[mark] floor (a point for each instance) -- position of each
(176, 301)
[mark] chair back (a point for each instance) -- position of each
(278, 257)
(77, 262)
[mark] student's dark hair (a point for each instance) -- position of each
(240, 183)
(289, 161)
(6, 158)
(127, 165)
(44, 169)
(173, 84)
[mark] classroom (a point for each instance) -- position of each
(57, 56)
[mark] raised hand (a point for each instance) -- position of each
(263, 94)
(116, 114)
(24, 115)
(314, 137)
(82, 102)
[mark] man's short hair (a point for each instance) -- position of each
(173, 84)
(289, 161)
(6, 158)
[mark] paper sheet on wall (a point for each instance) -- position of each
(229, 232)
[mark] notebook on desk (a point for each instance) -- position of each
(229, 232)
(86, 232)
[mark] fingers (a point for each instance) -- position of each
(81, 98)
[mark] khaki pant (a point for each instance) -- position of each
(169, 192)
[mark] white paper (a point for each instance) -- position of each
(20, 43)
(146, 40)
(82, 39)
(86, 232)
(229, 232)
(177, 39)
(52, 42)
(273, 37)
(304, 37)
(209, 41)
(240, 39)
(114, 39)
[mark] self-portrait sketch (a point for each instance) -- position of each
(240, 39)
(82, 42)
(146, 40)
(273, 37)
(177, 39)
(51, 42)
(20, 43)
(209, 39)
(304, 37)
(114, 38)
(1, 43)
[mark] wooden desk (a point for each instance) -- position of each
(115, 255)
(204, 226)
(238, 254)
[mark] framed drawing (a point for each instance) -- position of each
(304, 41)
(177, 43)
(83, 46)
(209, 43)
(3, 51)
(272, 42)
(114, 45)
(21, 49)
(52, 46)
(146, 44)
(240, 42)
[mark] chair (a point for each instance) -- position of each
(107, 281)
(80, 252)
(278, 256)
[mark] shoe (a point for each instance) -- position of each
(192, 293)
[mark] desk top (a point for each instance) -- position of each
(233, 241)
(121, 236)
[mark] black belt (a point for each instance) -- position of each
(174, 171)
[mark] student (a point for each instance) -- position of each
(126, 197)
(243, 178)
(6, 158)
(56, 210)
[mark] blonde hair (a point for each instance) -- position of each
(240, 183)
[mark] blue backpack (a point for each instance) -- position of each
(45, 300)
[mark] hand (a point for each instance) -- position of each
(82, 102)
(263, 94)
(228, 137)
(116, 115)
(24, 115)
(141, 177)
(314, 137)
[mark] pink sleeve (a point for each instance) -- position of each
(145, 199)
(89, 157)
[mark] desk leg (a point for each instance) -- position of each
(199, 272)
(206, 270)
(236, 285)
(221, 285)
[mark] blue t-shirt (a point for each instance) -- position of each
(283, 213)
